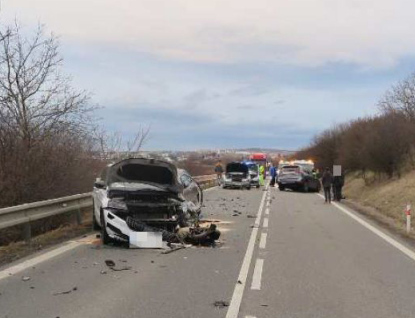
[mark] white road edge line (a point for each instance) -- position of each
(257, 277)
(211, 188)
(376, 231)
(265, 224)
(263, 241)
(238, 292)
(39, 259)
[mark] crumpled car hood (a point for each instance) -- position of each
(152, 172)
(236, 167)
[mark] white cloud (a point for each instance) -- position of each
(370, 33)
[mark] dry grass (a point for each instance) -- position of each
(18, 250)
(388, 198)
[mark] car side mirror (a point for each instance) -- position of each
(99, 184)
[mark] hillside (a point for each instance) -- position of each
(384, 200)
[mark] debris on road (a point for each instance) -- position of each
(125, 268)
(221, 304)
(250, 216)
(174, 249)
(111, 264)
(66, 291)
(25, 278)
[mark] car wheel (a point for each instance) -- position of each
(248, 188)
(281, 188)
(95, 225)
(105, 238)
(305, 188)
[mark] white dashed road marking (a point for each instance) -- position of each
(263, 241)
(265, 224)
(257, 277)
(233, 309)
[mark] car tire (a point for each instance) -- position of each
(305, 188)
(95, 225)
(281, 188)
(248, 188)
(105, 238)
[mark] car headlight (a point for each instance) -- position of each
(117, 205)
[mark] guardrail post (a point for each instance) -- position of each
(408, 218)
(27, 232)
(78, 216)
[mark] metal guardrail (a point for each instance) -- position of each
(26, 213)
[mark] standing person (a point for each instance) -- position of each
(261, 175)
(327, 181)
(338, 182)
(219, 171)
(273, 173)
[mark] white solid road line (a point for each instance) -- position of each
(238, 292)
(39, 259)
(257, 277)
(263, 241)
(378, 232)
(211, 188)
(250, 317)
(265, 224)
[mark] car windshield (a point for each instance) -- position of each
(253, 168)
(290, 170)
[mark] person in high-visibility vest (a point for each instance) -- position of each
(261, 175)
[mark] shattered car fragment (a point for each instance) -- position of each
(146, 195)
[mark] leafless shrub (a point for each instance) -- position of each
(45, 125)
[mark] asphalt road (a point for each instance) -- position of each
(294, 256)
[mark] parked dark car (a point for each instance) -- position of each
(237, 176)
(297, 178)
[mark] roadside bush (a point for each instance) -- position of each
(381, 144)
(46, 148)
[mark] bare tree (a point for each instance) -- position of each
(113, 145)
(35, 98)
(135, 144)
(400, 98)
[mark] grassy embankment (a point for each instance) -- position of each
(383, 200)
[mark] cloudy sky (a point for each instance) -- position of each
(229, 73)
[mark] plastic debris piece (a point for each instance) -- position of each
(66, 291)
(221, 304)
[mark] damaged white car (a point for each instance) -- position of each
(144, 195)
